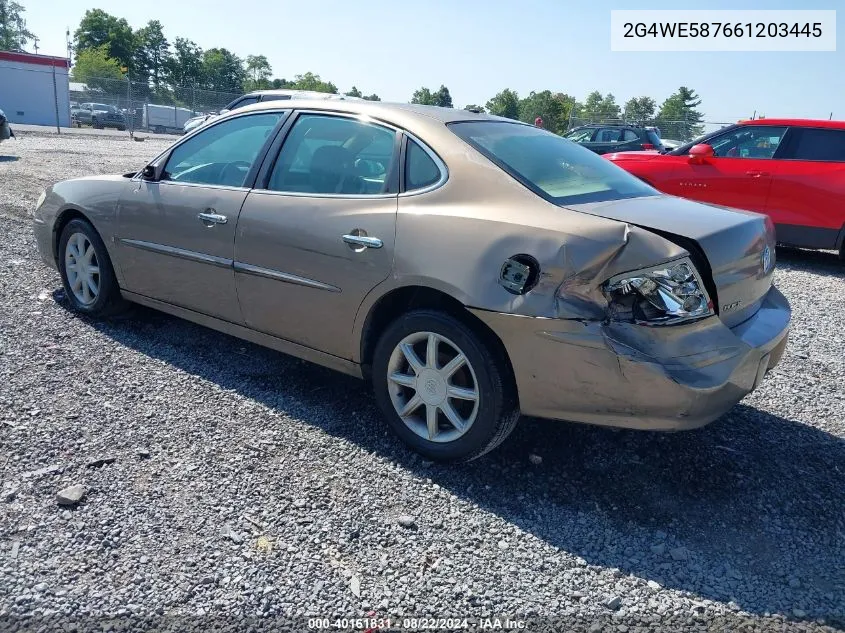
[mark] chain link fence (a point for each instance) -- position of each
(140, 106)
(669, 129)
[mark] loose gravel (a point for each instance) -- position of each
(156, 471)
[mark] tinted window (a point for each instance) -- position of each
(580, 136)
(275, 97)
(630, 135)
(748, 141)
(334, 155)
(549, 165)
(240, 103)
(222, 154)
(420, 170)
(609, 135)
(819, 144)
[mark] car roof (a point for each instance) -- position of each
(799, 122)
(398, 113)
(292, 92)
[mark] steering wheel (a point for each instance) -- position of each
(242, 166)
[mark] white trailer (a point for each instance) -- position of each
(163, 118)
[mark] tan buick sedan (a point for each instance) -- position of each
(472, 268)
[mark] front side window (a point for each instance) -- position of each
(552, 167)
(748, 141)
(420, 169)
(327, 154)
(819, 144)
(223, 154)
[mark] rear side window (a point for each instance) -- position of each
(630, 135)
(609, 135)
(820, 144)
(240, 103)
(420, 169)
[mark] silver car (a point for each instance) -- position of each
(472, 268)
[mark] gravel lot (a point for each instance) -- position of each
(240, 482)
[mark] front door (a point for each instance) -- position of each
(318, 234)
(177, 233)
(807, 201)
(740, 173)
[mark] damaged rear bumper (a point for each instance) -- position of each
(627, 375)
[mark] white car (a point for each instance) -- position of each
(261, 95)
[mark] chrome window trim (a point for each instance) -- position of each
(334, 196)
(181, 253)
(441, 165)
(172, 183)
(277, 275)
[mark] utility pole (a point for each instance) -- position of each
(35, 45)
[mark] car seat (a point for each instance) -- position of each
(332, 170)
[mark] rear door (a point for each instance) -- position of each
(807, 198)
(739, 175)
(176, 234)
(317, 232)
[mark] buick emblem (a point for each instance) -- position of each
(766, 259)
(431, 386)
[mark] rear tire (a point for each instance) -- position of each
(454, 400)
(86, 270)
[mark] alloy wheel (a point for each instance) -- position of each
(433, 387)
(82, 269)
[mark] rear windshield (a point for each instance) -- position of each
(559, 170)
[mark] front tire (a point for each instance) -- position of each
(443, 389)
(86, 270)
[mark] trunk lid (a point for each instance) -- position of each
(734, 250)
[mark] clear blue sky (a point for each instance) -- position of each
(479, 47)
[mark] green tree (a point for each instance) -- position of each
(152, 55)
(442, 97)
(258, 70)
(95, 68)
(474, 108)
(99, 28)
(505, 104)
(13, 32)
(679, 117)
(354, 93)
(423, 96)
(222, 70)
(184, 68)
(570, 108)
(372, 97)
(640, 109)
(279, 84)
(546, 106)
(310, 81)
(598, 107)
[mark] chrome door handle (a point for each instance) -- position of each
(213, 218)
(362, 240)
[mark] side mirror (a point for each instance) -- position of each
(699, 154)
(148, 173)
